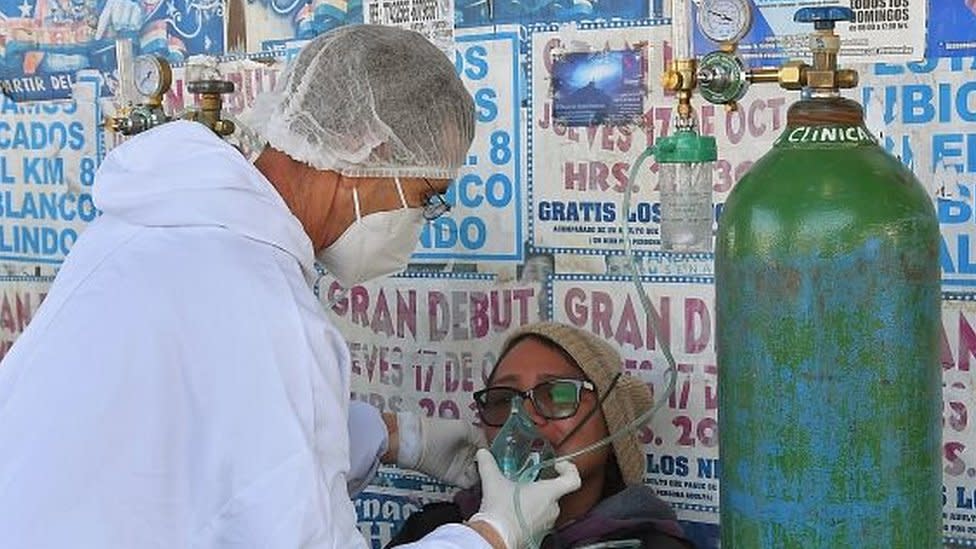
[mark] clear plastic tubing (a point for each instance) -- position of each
(681, 28)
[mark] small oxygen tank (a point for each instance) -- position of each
(828, 313)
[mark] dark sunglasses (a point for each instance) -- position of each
(552, 399)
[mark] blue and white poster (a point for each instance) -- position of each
(394, 495)
(486, 222)
(255, 25)
(922, 114)
(43, 43)
(952, 28)
(48, 156)
(891, 30)
(579, 175)
(472, 13)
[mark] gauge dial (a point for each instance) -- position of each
(152, 75)
(725, 20)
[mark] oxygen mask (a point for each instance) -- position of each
(520, 448)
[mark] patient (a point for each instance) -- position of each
(540, 361)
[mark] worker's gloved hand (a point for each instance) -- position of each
(538, 501)
(441, 448)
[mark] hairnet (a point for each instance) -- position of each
(369, 101)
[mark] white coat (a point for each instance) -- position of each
(181, 385)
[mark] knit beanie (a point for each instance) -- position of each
(600, 362)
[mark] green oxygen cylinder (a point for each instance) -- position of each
(827, 318)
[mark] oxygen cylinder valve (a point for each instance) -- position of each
(211, 104)
(824, 75)
(823, 78)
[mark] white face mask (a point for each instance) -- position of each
(375, 245)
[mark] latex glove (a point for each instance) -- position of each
(539, 501)
(441, 448)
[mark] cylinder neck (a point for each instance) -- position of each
(824, 111)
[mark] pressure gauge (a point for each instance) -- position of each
(152, 75)
(725, 21)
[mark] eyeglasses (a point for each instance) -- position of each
(552, 399)
(435, 206)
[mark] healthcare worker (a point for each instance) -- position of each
(181, 385)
